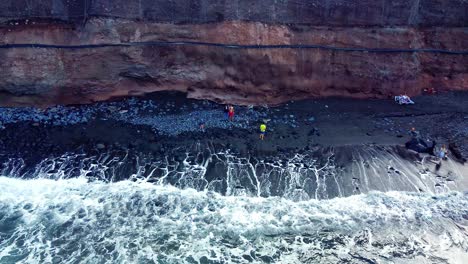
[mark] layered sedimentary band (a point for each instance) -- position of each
(348, 30)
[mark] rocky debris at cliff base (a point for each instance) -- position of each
(164, 118)
(55, 116)
(171, 124)
(291, 126)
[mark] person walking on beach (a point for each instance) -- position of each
(263, 128)
(231, 113)
(442, 153)
(226, 110)
(415, 134)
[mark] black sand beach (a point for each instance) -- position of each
(137, 180)
(292, 126)
(343, 129)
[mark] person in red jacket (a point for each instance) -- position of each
(231, 113)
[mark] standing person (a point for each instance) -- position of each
(263, 128)
(231, 113)
(415, 134)
(226, 110)
(442, 154)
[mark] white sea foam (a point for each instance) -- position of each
(76, 221)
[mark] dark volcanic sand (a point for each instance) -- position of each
(336, 125)
(293, 126)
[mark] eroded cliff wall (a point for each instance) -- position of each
(50, 75)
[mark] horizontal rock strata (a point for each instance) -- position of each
(47, 76)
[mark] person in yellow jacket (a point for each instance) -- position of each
(263, 128)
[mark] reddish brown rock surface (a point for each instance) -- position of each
(39, 76)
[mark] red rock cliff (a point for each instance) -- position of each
(48, 75)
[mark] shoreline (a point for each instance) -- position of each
(347, 146)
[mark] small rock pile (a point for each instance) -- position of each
(165, 118)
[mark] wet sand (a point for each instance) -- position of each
(365, 137)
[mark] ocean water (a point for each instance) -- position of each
(78, 220)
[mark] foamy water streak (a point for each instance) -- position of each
(318, 174)
(76, 221)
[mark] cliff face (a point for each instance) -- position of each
(45, 76)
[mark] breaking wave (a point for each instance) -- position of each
(81, 221)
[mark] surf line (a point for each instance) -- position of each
(229, 46)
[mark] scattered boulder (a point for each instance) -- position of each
(101, 146)
(420, 146)
(456, 152)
